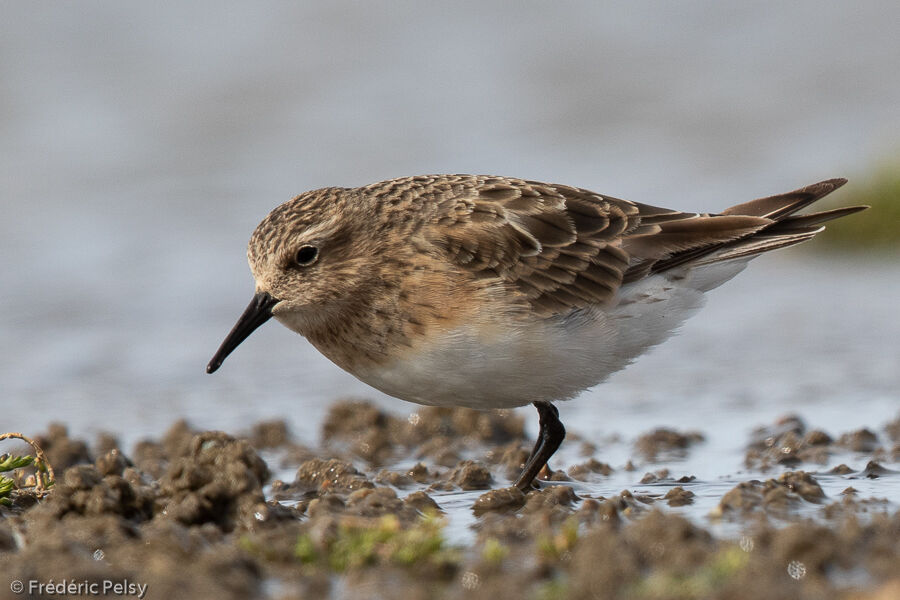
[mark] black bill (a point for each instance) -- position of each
(258, 312)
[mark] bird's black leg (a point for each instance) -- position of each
(534, 450)
(550, 437)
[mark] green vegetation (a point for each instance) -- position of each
(711, 576)
(494, 551)
(386, 542)
(42, 479)
(552, 590)
(873, 229)
(556, 547)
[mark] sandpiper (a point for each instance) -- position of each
(495, 292)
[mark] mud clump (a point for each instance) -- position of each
(371, 503)
(109, 521)
(61, 450)
(787, 442)
(678, 496)
(862, 440)
(510, 457)
(774, 495)
(330, 475)
(270, 434)
(470, 475)
(893, 429)
(495, 427)
(663, 443)
(662, 553)
(874, 470)
(658, 542)
(85, 491)
(153, 457)
(218, 480)
(552, 502)
(422, 502)
(803, 485)
(192, 515)
(112, 462)
(509, 498)
(363, 430)
(583, 470)
(850, 505)
(663, 476)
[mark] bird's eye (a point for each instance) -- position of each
(307, 255)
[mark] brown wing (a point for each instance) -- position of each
(563, 247)
(784, 228)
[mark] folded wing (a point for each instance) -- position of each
(565, 248)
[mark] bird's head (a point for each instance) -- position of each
(309, 257)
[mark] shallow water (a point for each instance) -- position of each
(141, 146)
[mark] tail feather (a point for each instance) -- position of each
(813, 219)
(757, 245)
(780, 206)
(783, 229)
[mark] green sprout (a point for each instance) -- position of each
(494, 551)
(382, 542)
(559, 546)
(39, 482)
(702, 582)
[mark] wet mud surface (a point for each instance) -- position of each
(420, 507)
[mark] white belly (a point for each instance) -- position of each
(547, 359)
(518, 365)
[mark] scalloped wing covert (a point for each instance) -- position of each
(562, 247)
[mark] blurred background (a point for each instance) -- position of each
(141, 145)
